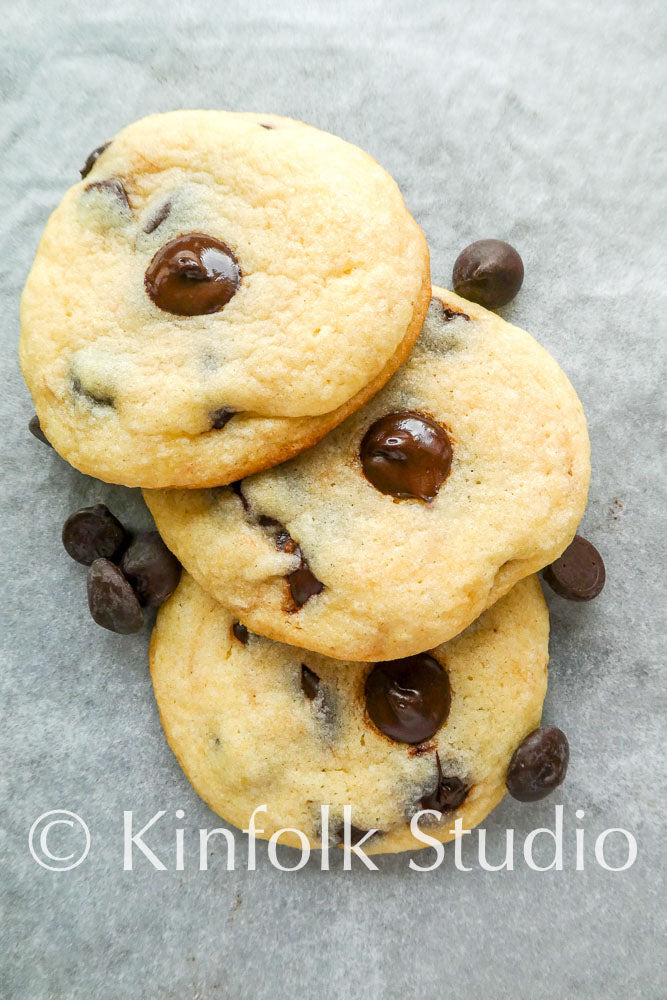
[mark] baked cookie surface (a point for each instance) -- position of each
(217, 292)
(466, 473)
(254, 722)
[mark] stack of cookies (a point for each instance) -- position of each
(360, 474)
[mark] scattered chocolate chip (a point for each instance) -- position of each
(449, 793)
(489, 272)
(240, 632)
(538, 765)
(112, 602)
(93, 533)
(579, 574)
(266, 125)
(237, 487)
(96, 399)
(158, 218)
(303, 584)
(35, 429)
(151, 569)
(221, 417)
(408, 699)
(406, 455)
(310, 682)
(93, 158)
(114, 187)
(193, 275)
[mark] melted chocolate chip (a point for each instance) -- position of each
(237, 487)
(35, 429)
(408, 699)
(406, 455)
(489, 272)
(310, 682)
(240, 632)
(579, 574)
(449, 792)
(303, 583)
(97, 399)
(356, 834)
(112, 602)
(159, 217)
(446, 315)
(284, 540)
(151, 569)
(193, 275)
(221, 417)
(538, 765)
(449, 314)
(114, 187)
(93, 533)
(93, 158)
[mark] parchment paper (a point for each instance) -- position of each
(536, 122)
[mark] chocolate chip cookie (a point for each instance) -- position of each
(256, 722)
(216, 293)
(467, 472)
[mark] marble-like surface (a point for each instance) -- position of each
(539, 123)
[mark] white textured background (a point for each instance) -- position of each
(536, 122)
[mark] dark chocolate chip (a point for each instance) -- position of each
(151, 569)
(221, 417)
(272, 525)
(112, 602)
(281, 535)
(158, 218)
(240, 632)
(113, 186)
(303, 584)
(93, 533)
(579, 574)
(95, 398)
(489, 272)
(538, 765)
(448, 794)
(356, 834)
(93, 158)
(310, 682)
(237, 487)
(406, 455)
(35, 429)
(193, 275)
(408, 699)
(445, 314)
(266, 125)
